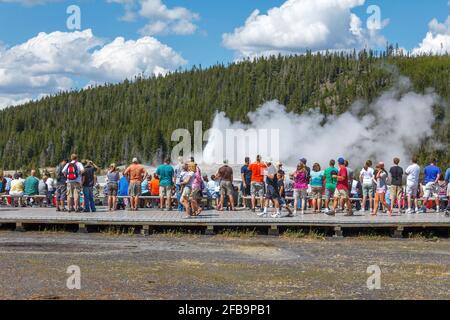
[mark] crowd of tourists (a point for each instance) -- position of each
(264, 186)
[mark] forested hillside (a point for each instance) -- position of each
(116, 122)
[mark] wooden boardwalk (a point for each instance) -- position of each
(210, 219)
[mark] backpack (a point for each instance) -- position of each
(72, 171)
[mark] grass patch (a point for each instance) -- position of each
(238, 233)
(422, 236)
(302, 234)
(177, 233)
(118, 231)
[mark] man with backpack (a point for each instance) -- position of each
(73, 172)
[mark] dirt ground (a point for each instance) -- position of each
(33, 266)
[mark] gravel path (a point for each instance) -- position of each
(34, 266)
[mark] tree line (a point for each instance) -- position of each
(114, 122)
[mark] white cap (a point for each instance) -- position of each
(135, 160)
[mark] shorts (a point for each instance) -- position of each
(329, 193)
(246, 190)
(271, 193)
(16, 194)
(257, 189)
(165, 191)
(300, 193)
(316, 193)
(341, 193)
(61, 192)
(395, 192)
(412, 190)
(196, 194)
(431, 190)
(367, 190)
(226, 188)
(112, 189)
(187, 191)
(382, 190)
(73, 189)
(134, 189)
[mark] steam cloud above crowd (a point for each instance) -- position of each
(389, 127)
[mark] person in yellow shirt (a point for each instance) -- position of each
(17, 189)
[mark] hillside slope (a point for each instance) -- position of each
(115, 122)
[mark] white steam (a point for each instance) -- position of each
(389, 127)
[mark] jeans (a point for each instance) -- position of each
(178, 192)
(356, 202)
(89, 204)
(50, 195)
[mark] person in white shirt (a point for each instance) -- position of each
(412, 184)
(366, 179)
(51, 187)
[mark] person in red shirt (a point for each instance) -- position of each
(342, 193)
(257, 181)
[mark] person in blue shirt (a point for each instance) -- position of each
(431, 178)
(123, 192)
(246, 176)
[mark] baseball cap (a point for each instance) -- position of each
(341, 160)
(135, 160)
(303, 160)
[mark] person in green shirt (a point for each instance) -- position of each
(31, 185)
(331, 182)
(165, 173)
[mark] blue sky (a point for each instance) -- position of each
(22, 20)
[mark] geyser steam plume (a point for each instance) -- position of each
(389, 127)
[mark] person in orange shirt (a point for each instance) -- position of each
(154, 186)
(257, 181)
(135, 174)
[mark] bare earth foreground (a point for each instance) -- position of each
(33, 266)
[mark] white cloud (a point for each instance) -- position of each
(51, 62)
(300, 25)
(161, 19)
(437, 39)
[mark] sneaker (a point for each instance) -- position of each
(289, 212)
(276, 215)
(253, 210)
(348, 214)
(409, 211)
(261, 214)
(302, 212)
(330, 213)
(326, 210)
(362, 210)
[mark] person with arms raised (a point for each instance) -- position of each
(136, 173)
